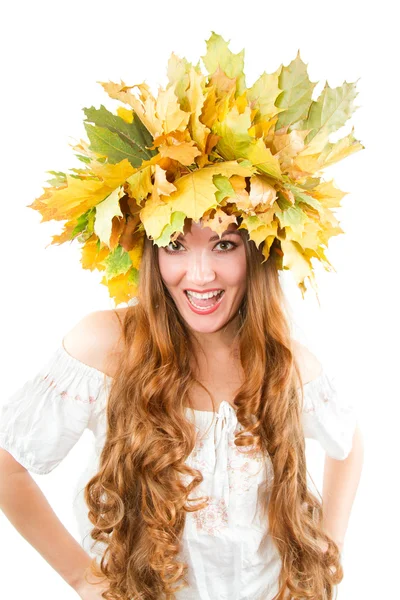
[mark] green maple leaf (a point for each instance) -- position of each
(117, 139)
(327, 114)
(296, 93)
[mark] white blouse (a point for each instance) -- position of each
(43, 420)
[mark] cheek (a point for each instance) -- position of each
(235, 271)
(171, 271)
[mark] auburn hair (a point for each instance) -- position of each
(138, 499)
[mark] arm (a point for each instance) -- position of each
(27, 509)
(21, 499)
(341, 479)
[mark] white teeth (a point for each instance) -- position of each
(205, 308)
(203, 296)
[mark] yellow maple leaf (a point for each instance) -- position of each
(139, 184)
(71, 200)
(91, 256)
(236, 142)
(261, 192)
(112, 175)
(195, 97)
(145, 109)
(263, 94)
(260, 226)
(194, 195)
(328, 194)
(219, 55)
(161, 184)
(178, 74)
(183, 152)
(286, 146)
(105, 211)
(120, 288)
(168, 110)
(125, 114)
(78, 195)
(156, 213)
(136, 255)
(295, 260)
(195, 192)
(219, 222)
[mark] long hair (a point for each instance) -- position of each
(138, 499)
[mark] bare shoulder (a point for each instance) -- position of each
(309, 365)
(96, 339)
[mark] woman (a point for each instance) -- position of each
(198, 397)
(227, 357)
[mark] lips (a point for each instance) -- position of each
(205, 310)
(203, 291)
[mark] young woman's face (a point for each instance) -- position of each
(202, 262)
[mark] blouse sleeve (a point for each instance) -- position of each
(43, 419)
(329, 415)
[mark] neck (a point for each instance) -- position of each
(221, 341)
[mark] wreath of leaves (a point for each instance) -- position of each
(206, 147)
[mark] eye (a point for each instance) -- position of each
(172, 247)
(233, 245)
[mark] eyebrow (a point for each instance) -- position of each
(214, 237)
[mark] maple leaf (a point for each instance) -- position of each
(178, 75)
(261, 192)
(105, 211)
(194, 195)
(297, 261)
(92, 256)
(219, 55)
(195, 96)
(263, 93)
(328, 113)
(206, 148)
(295, 97)
(183, 152)
(236, 143)
(144, 108)
(123, 287)
(219, 222)
(260, 228)
(175, 226)
(328, 195)
(169, 111)
(112, 136)
(139, 184)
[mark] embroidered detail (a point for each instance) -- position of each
(248, 451)
(194, 459)
(213, 518)
(244, 464)
(199, 445)
(312, 409)
(65, 395)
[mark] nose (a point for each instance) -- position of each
(200, 270)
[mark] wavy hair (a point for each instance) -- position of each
(138, 499)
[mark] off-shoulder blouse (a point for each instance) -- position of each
(43, 419)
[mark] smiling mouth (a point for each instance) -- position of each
(204, 303)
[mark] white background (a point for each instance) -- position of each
(53, 53)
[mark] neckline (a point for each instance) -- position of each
(100, 374)
(212, 412)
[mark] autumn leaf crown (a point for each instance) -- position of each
(207, 147)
